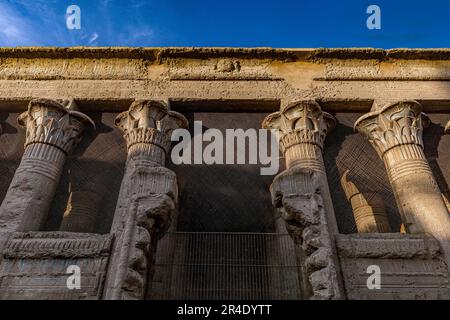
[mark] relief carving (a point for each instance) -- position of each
(296, 193)
(149, 217)
(149, 122)
(34, 265)
(49, 122)
(300, 126)
(412, 266)
(147, 199)
(303, 194)
(393, 125)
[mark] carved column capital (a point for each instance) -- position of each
(49, 122)
(396, 124)
(147, 198)
(52, 131)
(395, 131)
(150, 122)
(302, 193)
(300, 122)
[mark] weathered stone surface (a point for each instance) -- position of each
(34, 265)
(411, 266)
(147, 199)
(296, 191)
(313, 87)
(52, 131)
(389, 246)
(81, 211)
(395, 131)
(302, 190)
(368, 207)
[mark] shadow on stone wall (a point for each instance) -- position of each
(437, 151)
(12, 139)
(224, 198)
(346, 149)
(96, 166)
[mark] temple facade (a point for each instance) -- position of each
(93, 207)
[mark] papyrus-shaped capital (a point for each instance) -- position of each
(150, 122)
(50, 122)
(300, 122)
(396, 124)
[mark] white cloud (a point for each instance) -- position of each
(15, 30)
(42, 23)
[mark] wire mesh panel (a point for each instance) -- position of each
(224, 266)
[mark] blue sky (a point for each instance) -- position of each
(238, 23)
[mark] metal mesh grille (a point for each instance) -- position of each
(224, 266)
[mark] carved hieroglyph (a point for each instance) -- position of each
(52, 131)
(147, 198)
(368, 207)
(395, 131)
(302, 193)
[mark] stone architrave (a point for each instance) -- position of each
(302, 193)
(52, 131)
(147, 198)
(368, 207)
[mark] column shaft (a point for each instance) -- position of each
(395, 131)
(147, 198)
(81, 212)
(32, 189)
(417, 193)
(303, 196)
(52, 131)
(368, 207)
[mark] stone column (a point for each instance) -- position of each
(303, 196)
(81, 211)
(147, 198)
(447, 195)
(368, 207)
(395, 131)
(52, 131)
